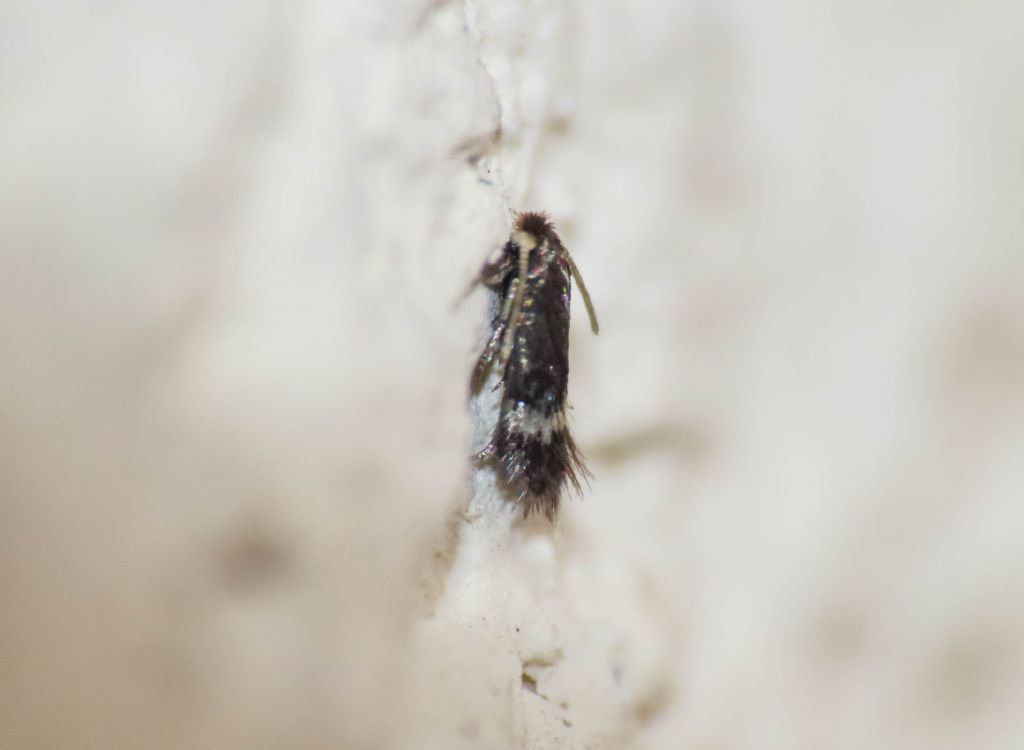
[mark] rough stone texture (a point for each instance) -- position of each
(235, 505)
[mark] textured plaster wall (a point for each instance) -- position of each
(235, 504)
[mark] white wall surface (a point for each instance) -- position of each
(236, 509)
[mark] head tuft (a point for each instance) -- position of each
(536, 223)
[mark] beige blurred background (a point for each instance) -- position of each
(235, 505)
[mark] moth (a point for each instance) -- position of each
(528, 347)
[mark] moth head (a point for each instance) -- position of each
(531, 230)
(524, 240)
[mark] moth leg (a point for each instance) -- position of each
(483, 363)
(480, 371)
(517, 306)
(486, 454)
(470, 287)
(491, 275)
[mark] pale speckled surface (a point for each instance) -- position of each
(235, 506)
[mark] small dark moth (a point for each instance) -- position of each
(529, 348)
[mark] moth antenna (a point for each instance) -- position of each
(583, 289)
(470, 287)
(517, 304)
(506, 309)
